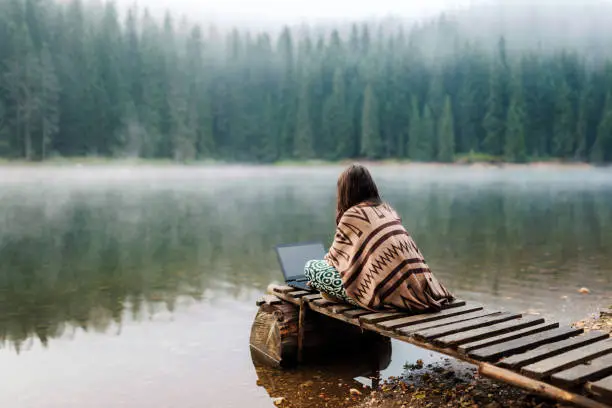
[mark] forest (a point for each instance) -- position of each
(87, 79)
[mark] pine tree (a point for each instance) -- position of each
(602, 148)
(114, 97)
(303, 131)
(428, 126)
(470, 104)
(497, 104)
(49, 100)
(336, 120)
(4, 140)
(414, 131)
(287, 100)
(514, 138)
(583, 122)
(20, 83)
(370, 131)
(446, 133)
(514, 150)
(564, 123)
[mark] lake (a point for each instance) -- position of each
(135, 286)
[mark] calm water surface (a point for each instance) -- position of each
(135, 287)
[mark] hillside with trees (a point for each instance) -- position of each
(91, 80)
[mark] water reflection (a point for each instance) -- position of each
(82, 254)
(327, 381)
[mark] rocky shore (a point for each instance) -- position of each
(442, 386)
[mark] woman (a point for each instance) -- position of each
(373, 262)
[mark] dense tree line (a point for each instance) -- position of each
(78, 80)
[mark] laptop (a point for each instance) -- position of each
(293, 258)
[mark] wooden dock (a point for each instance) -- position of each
(559, 362)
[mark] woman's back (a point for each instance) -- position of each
(379, 262)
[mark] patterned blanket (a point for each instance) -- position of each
(380, 264)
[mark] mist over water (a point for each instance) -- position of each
(142, 279)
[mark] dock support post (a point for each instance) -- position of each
(301, 330)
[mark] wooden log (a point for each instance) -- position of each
(576, 376)
(488, 331)
(466, 348)
(274, 334)
(428, 317)
(410, 330)
(537, 387)
(551, 350)
(523, 344)
(601, 389)
(549, 366)
(434, 333)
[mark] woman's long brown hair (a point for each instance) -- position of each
(355, 186)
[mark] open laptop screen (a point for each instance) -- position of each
(293, 258)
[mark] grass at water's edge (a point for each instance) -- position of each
(474, 159)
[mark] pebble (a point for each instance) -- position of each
(278, 401)
(584, 291)
(308, 383)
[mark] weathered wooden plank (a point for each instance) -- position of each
(410, 330)
(268, 299)
(454, 303)
(601, 388)
(549, 366)
(428, 317)
(551, 350)
(339, 316)
(324, 302)
(434, 333)
(356, 313)
(312, 297)
(537, 387)
(299, 294)
(592, 370)
(488, 331)
(379, 317)
(280, 288)
(466, 348)
(339, 308)
(520, 345)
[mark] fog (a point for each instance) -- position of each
(255, 12)
(548, 24)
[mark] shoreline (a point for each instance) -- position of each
(137, 162)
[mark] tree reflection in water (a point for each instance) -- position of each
(326, 381)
